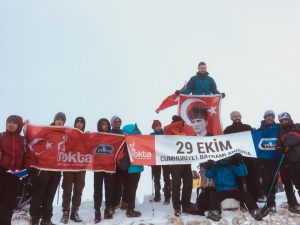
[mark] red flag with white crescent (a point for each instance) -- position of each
(201, 113)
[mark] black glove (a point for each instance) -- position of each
(223, 95)
(237, 158)
(208, 165)
(178, 92)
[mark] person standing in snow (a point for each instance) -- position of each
(116, 178)
(44, 186)
(224, 172)
(100, 178)
(201, 83)
(180, 172)
(73, 181)
(13, 156)
(236, 127)
(266, 168)
(156, 171)
(288, 144)
(132, 177)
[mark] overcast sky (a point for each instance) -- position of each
(103, 58)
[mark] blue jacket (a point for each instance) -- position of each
(201, 84)
(133, 129)
(225, 175)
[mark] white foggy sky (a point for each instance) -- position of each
(103, 58)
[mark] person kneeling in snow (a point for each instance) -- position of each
(225, 172)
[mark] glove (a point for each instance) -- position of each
(223, 95)
(237, 158)
(178, 92)
(208, 165)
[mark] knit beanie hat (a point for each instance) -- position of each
(283, 116)
(82, 120)
(176, 118)
(112, 120)
(235, 113)
(155, 124)
(60, 115)
(269, 113)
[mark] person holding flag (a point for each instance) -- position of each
(201, 83)
(13, 157)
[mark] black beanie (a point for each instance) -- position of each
(60, 115)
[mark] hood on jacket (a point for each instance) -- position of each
(112, 121)
(18, 120)
(102, 120)
(131, 129)
(80, 118)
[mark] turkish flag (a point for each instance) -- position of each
(194, 108)
(69, 149)
(169, 101)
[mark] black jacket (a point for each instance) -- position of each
(237, 127)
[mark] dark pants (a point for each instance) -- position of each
(8, 196)
(99, 178)
(266, 170)
(203, 199)
(294, 171)
(72, 181)
(116, 187)
(288, 184)
(217, 197)
(184, 173)
(130, 188)
(44, 186)
(156, 173)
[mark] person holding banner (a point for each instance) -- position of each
(44, 186)
(13, 157)
(288, 144)
(73, 181)
(156, 171)
(100, 178)
(180, 172)
(201, 83)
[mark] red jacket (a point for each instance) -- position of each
(13, 154)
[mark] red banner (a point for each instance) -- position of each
(202, 113)
(69, 149)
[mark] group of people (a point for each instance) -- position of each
(245, 179)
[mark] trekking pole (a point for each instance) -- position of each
(152, 195)
(58, 193)
(274, 179)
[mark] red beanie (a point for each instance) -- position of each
(155, 123)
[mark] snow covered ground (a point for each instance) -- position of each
(159, 214)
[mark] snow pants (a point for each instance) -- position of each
(44, 186)
(294, 171)
(181, 173)
(72, 181)
(156, 174)
(131, 181)
(8, 196)
(116, 187)
(99, 178)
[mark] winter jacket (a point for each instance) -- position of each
(225, 175)
(269, 131)
(115, 131)
(201, 84)
(290, 137)
(133, 129)
(161, 132)
(237, 127)
(13, 154)
(176, 128)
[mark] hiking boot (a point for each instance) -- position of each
(46, 222)
(132, 213)
(97, 216)
(75, 216)
(188, 210)
(167, 202)
(214, 215)
(124, 205)
(294, 209)
(34, 221)
(177, 212)
(65, 217)
(108, 214)
(258, 214)
(272, 209)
